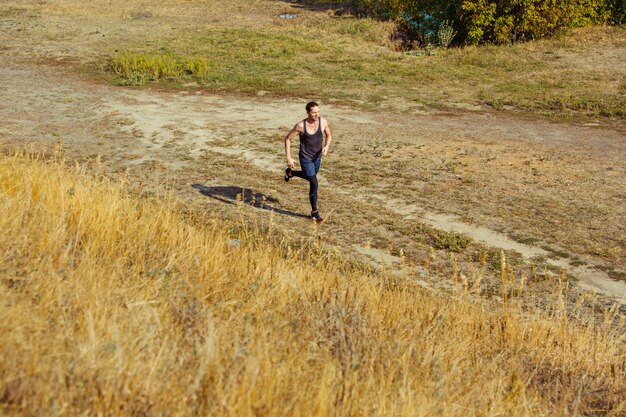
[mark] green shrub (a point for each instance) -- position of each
(491, 21)
(477, 17)
(617, 11)
(518, 20)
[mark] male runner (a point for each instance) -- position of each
(312, 131)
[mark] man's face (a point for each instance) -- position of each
(314, 113)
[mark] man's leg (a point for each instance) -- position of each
(313, 186)
(300, 174)
(313, 189)
(313, 192)
(309, 173)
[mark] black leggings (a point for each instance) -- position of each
(312, 187)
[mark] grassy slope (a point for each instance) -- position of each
(352, 60)
(117, 304)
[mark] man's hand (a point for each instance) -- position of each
(290, 163)
(324, 150)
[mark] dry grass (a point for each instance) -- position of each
(118, 305)
(121, 305)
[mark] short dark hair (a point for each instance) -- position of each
(310, 105)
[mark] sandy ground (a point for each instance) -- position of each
(533, 187)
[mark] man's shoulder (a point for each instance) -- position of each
(299, 126)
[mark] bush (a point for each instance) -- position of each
(617, 11)
(491, 21)
(505, 21)
(445, 34)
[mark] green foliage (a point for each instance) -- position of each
(492, 21)
(138, 69)
(505, 21)
(617, 11)
(477, 16)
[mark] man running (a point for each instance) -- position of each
(312, 131)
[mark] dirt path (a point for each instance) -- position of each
(386, 174)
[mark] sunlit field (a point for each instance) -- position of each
(471, 262)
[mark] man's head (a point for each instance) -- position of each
(313, 110)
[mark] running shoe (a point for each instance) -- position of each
(288, 174)
(315, 215)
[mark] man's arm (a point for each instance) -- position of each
(328, 136)
(296, 129)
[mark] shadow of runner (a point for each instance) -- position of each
(228, 194)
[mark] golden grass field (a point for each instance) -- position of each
(154, 262)
(119, 305)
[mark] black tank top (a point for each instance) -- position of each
(311, 145)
